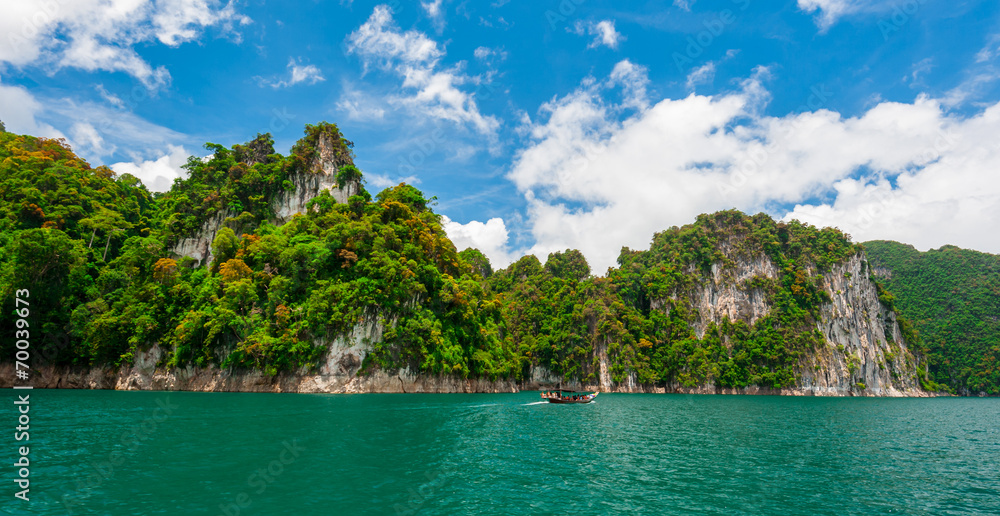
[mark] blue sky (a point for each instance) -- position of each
(542, 126)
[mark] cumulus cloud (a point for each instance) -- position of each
(598, 176)
(604, 33)
(489, 237)
(101, 35)
(297, 73)
(427, 88)
(157, 174)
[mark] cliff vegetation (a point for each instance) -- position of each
(730, 301)
(952, 295)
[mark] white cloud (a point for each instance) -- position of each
(603, 31)
(990, 51)
(435, 13)
(704, 74)
(111, 98)
(490, 238)
(360, 106)
(946, 192)
(380, 42)
(427, 88)
(157, 174)
(485, 53)
(98, 132)
(633, 79)
(384, 181)
(101, 34)
(597, 177)
(297, 73)
(684, 5)
(116, 130)
(830, 11)
(88, 141)
(19, 111)
(977, 79)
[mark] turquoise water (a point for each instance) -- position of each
(101, 452)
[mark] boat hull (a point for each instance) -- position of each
(568, 400)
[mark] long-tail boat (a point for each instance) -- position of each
(568, 396)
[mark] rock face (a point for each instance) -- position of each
(864, 344)
(724, 295)
(199, 244)
(321, 174)
(337, 374)
(864, 353)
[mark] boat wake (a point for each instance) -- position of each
(536, 403)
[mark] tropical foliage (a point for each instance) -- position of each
(642, 318)
(94, 249)
(952, 295)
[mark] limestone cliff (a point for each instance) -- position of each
(863, 354)
(324, 154)
(321, 174)
(338, 373)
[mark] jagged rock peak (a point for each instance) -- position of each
(258, 150)
(321, 160)
(325, 162)
(324, 150)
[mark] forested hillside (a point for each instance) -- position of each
(952, 295)
(92, 249)
(730, 301)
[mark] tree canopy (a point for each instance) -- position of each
(952, 295)
(94, 247)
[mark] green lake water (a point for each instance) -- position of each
(103, 452)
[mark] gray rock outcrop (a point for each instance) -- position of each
(320, 174)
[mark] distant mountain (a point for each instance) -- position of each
(952, 295)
